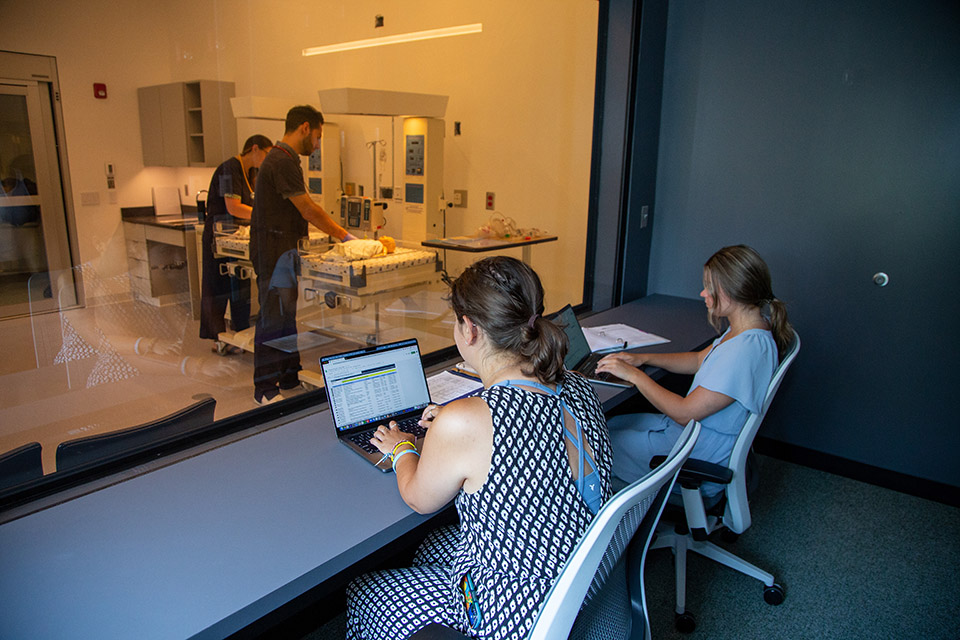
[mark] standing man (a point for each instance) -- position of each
(229, 199)
(281, 210)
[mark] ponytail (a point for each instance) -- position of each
(780, 326)
(543, 346)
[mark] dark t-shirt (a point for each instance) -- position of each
(276, 225)
(227, 181)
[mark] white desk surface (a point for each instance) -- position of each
(209, 544)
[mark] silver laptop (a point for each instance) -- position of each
(579, 357)
(372, 386)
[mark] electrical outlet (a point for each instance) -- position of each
(490, 201)
(460, 198)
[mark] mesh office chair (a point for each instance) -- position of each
(599, 592)
(20, 465)
(74, 453)
(729, 515)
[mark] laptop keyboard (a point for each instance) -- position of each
(589, 366)
(408, 425)
(589, 369)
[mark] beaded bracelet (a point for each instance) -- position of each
(401, 454)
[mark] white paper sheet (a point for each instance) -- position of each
(446, 386)
(614, 337)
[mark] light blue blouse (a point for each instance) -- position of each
(740, 368)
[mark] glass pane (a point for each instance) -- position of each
(131, 347)
(23, 259)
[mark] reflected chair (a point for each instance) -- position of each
(75, 453)
(20, 465)
(599, 592)
(686, 528)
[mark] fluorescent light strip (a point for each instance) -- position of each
(403, 37)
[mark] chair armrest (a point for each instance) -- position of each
(692, 474)
(695, 472)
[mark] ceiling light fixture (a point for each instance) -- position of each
(403, 37)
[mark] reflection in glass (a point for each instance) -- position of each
(22, 251)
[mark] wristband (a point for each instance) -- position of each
(401, 454)
(394, 452)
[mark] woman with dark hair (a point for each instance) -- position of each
(229, 199)
(527, 462)
(731, 375)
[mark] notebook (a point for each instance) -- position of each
(579, 357)
(372, 386)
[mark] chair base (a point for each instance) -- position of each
(681, 544)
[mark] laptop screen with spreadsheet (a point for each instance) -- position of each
(375, 384)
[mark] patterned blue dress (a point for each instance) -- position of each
(515, 532)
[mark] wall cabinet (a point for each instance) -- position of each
(187, 124)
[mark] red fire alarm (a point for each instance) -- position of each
(100, 90)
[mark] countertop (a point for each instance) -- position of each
(167, 222)
(145, 215)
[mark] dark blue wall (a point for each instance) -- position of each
(826, 134)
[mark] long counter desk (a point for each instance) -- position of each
(207, 545)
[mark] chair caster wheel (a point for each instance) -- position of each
(773, 595)
(728, 536)
(685, 622)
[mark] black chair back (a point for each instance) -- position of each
(20, 465)
(75, 453)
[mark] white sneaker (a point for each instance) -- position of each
(267, 398)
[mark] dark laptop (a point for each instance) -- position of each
(579, 357)
(372, 386)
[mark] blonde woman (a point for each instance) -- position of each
(730, 376)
